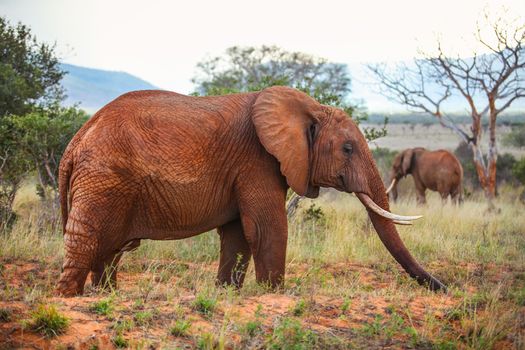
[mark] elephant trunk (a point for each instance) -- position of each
(388, 234)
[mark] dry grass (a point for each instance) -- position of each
(342, 290)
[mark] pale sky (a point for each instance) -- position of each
(161, 41)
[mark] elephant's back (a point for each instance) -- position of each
(171, 139)
(446, 164)
(150, 124)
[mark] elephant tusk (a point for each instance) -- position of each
(401, 222)
(370, 204)
(391, 186)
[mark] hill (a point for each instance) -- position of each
(93, 88)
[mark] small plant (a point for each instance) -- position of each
(252, 328)
(5, 315)
(205, 305)
(258, 311)
(346, 305)
(123, 325)
(299, 308)
(103, 307)
(313, 213)
(289, 334)
(180, 328)
(207, 341)
(119, 341)
(374, 328)
(411, 332)
(48, 321)
(143, 318)
(518, 296)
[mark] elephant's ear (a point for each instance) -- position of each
(283, 118)
(407, 160)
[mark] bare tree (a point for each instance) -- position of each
(489, 82)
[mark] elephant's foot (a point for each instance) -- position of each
(71, 282)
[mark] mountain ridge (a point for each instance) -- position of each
(92, 88)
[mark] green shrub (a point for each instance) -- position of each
(384, 158)
(313, 213)
(299, 308)
(504, 166)
(204, 304)
(119, 341)
(518, 170)
(252, 328)
(102, 307)
(47, 321)
(143, 318)
(5, 315)
(289, 334)
(180, 328)
(123, 325)
(515, 138)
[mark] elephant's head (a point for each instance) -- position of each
(401, 167)
(320, 146)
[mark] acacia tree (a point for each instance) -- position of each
(489, 83)
(244, 69)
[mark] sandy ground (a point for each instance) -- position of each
(325, 314)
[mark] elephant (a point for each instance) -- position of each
(437, 170)
(160, 165)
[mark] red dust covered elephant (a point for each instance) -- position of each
(437, 171)
(159, 165)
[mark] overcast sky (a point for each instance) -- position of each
(161, 41)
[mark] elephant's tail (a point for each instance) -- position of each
(64, 176)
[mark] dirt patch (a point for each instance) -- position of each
(367, 314)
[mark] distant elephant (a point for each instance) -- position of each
(438, 171)
(160, 165)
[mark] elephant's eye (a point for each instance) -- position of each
(347, 148)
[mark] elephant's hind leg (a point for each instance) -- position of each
(235, 254)
(81, 244)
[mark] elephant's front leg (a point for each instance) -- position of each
(104, 272)
(235, 254)
(266, 230)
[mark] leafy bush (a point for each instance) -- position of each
(518, 170)
(204, 304)
(515, 138)
(313, 213)
(5, 315)
(290, 334)
(103, 307)
(144, 318)
(301, 307)
(180, 328)
(119, 341)
(504, 167)
(252, 328)
(383, 158)
(48, 321)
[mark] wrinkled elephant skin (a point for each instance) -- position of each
(160, 165)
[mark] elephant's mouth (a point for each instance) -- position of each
(396, 219)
